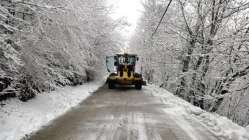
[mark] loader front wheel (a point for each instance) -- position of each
(138, 86)
(111, 85)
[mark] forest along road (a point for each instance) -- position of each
(123, 114)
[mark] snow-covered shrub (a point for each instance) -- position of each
(26, 87)
(57, 43)
(236, 104)
(10, 63)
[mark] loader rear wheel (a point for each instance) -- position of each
(111, 85)
(138, 86)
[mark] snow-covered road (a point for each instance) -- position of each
(20, 118)
(149, 114)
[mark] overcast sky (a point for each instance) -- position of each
(131, 9)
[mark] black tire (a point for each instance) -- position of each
(111, 85)
(138, 86)
(137, 75)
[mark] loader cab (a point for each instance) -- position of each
(128, 60)
(125, 60)
(125, 64)
(115, 63)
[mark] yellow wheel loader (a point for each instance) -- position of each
(123, 72)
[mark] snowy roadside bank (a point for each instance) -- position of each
(192, 118)
(20, 118)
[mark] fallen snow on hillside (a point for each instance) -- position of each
(191, 118)
(20, 118)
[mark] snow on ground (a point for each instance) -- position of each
(190, 117)
(20, 118)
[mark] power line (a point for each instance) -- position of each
(162, 18)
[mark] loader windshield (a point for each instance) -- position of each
(110, 64)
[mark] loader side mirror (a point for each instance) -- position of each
(115, 63)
